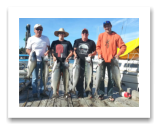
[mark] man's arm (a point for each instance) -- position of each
(28, 51)
(122, 47)
(92, 54)
(70, 54)
(98, 47)
(48, 51)
(52, 53)
(75, 54)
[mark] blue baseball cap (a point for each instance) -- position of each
(106, 22)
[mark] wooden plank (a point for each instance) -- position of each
(50, 102)
(88, 101)
(70, 104)
(63, 102)
(110, 104)
(23, 98)
(56, 102)
(82, 102)
(43, 102)
(75, 102)
(98, 103)
(35, 103)
(126, 102)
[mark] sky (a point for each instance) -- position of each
(53, 16)
(127, 28)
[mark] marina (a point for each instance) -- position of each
(26, 99)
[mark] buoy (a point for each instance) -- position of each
(126, 94)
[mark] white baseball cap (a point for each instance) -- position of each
(37, 25)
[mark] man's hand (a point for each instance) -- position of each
(90, 55)
(46, 53)
(116, 56)
(54, 58)
(75, 56)
(67, 60)
(99, 57)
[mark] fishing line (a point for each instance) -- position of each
(125, 29)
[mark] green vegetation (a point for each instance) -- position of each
(22, 50)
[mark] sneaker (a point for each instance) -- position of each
(80, 95)
(89, 94)
(35, 95)
(44, 94)
(101, 97)
(30, 87)
(55, 96)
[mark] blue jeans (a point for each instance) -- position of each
(35, 72)
(110, 81)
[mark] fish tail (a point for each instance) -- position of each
(88, 89)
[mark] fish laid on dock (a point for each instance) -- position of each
(88, 72)
(99, 74)
(45, 71)
(76, 73)
(116, 73)
(66, 78)
(55, 77)
(32, 62)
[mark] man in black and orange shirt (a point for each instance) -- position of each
(107, 49)
(83, 47)
(61, 49)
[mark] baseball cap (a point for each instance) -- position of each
(37, 25)
(84, 30)
(106, 22)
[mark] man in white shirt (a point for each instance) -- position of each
(38, 43)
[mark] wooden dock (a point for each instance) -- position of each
(26, 99)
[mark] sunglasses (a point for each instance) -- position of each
(107, 22)
(84, 32)
(38, 29)
(61, 33)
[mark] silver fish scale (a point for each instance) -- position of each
(66, 79)
(55, 77)
(88, 74)
(99, 76)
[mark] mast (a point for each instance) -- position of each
(27, 34)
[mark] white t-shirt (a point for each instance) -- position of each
(39, 45)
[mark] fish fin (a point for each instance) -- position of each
(88, 89)
(96, 67)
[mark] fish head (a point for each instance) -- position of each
(33, 56)
(115, 61)
(58, 64)
(45, 58)
(66, 64)
(88, 59)
(100, 61)
(77, 60)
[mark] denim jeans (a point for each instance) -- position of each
(110, 80)
(35, 72)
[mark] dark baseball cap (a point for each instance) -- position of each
(85, 30)
(106, 22)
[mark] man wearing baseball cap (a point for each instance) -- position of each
(38, 43)
(107, 49)
(61, 50)
(84, 47)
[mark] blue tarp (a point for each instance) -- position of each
(23, 59)
(23, 55)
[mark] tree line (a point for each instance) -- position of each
(22, 50)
